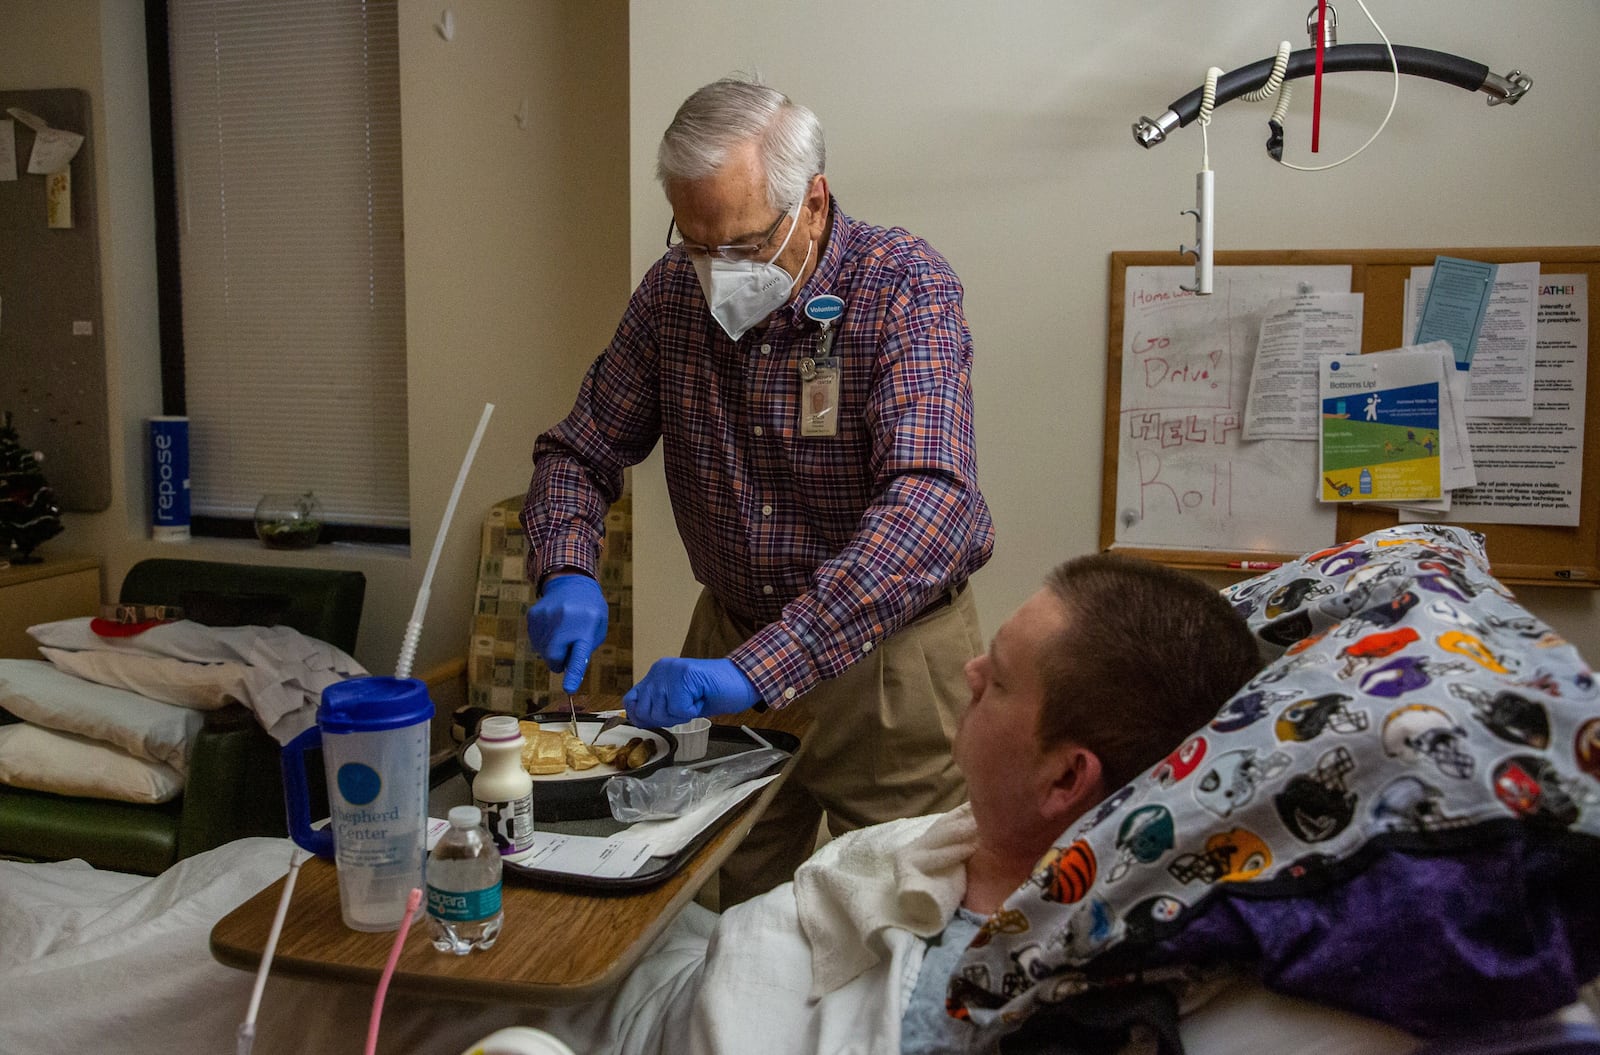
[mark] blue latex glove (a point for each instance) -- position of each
(567, 624)
(676, 690)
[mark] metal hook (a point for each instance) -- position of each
(1202, 251)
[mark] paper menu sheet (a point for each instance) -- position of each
(601, 857)
(626, 852)
(623, 853)
(613, 856)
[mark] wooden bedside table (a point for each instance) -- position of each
(58, 588)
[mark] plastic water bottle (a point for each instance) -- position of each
(463, 882)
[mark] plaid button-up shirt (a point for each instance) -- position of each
(826, 545)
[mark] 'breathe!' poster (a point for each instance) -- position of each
(1380, 426)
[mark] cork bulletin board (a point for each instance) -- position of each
(1521, 553)
(52, 348)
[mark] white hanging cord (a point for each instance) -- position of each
(1393, 99)
(247, 1028)
(1208, 102)
(408, 647)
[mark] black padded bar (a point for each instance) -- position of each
(1341, 58)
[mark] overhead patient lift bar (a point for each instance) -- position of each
(1416, 62)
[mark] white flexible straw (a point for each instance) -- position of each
(408, 647)
(247, 1028)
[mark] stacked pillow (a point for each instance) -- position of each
(113, 714)
(80, 738)
(1399, 816)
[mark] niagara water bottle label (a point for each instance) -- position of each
(460, 906)
(511, 823)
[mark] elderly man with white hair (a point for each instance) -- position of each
(808, 378)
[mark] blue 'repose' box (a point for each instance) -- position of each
(169, 478)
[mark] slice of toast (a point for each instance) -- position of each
(578, 755)
(544, 753)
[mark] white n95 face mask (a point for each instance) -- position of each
(740, 293)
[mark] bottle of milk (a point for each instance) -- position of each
(503, 789)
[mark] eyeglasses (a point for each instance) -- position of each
(735, 251)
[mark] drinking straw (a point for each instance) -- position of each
(247, 1028)
(408, 647)
(412, 902)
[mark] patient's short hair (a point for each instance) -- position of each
(1149, 655)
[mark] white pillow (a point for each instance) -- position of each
(199, 686)
(36, 692)
(64, 764)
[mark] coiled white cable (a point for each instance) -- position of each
(1208, 102)
(1275, 85)
(1280, 64)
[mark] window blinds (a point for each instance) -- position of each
(286, 121)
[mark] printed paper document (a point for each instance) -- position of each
(1296, 332)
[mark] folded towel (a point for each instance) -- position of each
(909, 875)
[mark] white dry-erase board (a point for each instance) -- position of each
(1179, 486)
(52, 350)
(1184, 477)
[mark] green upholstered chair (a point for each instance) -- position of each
(234, 788)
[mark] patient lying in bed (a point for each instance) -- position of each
(1075, 699)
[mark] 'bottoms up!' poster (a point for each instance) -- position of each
(1380, 426)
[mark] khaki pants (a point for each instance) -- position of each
(879, 745)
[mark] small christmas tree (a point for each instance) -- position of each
(28, 511)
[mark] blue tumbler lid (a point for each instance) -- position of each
(372, 704)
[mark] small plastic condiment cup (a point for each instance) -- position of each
(692, 737)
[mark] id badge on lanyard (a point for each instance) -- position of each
(819, 374)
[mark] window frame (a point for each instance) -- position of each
(169, 286)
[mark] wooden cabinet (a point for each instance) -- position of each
(55, 588)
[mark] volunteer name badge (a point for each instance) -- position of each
(824, 308)
(819, 374)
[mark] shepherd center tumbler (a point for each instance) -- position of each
(374, 737)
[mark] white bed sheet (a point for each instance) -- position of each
(92, 960)
(103, 961)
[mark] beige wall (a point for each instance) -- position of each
(1000, 132)
(516, 266)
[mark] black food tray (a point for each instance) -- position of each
(724, 740)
